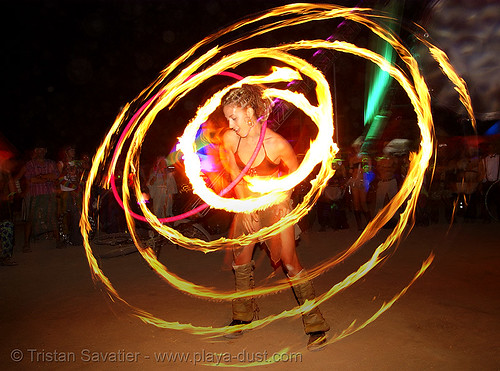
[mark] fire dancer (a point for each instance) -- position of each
(246, 110)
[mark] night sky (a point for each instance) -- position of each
(71, 65)
(68, 66)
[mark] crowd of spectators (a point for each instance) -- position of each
(461, 184)
(44, 198)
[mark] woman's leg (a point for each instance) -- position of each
(314, 323)
(287, 251)
(170, 202)
(244, 309)
(364, 205)
(380, 196)
(243, 255)
(161, 204)
(356, 205)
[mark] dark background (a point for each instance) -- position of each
(68, 66)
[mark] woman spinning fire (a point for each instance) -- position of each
(245, 110)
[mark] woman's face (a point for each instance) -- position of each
(238, 119)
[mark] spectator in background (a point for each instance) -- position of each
(436, 185)
(7, 192)
(387, 185)
(41, 175)
(324, 207)
(158, 183)
(86, 164)
(359, 165)
(331, 204)
(70, 196)
(490, 170)
(468, 181)
(171, 190)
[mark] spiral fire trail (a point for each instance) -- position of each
(167, 90)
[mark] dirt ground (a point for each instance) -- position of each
(54, 317)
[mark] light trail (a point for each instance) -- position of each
(167, 90)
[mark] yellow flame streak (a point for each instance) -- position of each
(449, 71)
(322, 147)
(352, 329)
(411, 186)
(230, 242)
(193, 171)
(145, 118)
(197, 242)
(97, 274)
(399, 199)
(452, 219)
(148, 254)
(192, 162)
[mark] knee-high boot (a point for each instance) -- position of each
(244, 308)
(314, 323)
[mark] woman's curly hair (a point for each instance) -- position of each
(249, 96)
